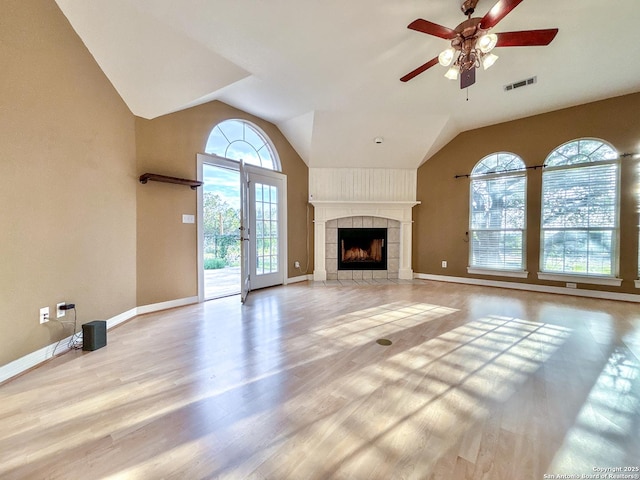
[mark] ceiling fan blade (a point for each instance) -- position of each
(527, 38)
(434, 29)
(419, 70)
(497, 13)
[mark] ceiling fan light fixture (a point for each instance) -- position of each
(453, 73)
(446, 57)
(487, 42)
(472, 42)
(489, 60)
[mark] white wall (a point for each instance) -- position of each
(362, 184)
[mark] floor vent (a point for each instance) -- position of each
(521, 83)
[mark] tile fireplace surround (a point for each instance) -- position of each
(332, 248)
(395, 216)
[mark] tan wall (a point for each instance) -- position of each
(67, 181)
(443, 217)
(167, 249)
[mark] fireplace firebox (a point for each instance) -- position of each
(362, 249)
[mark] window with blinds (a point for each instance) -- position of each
(580, 198)
(498, 213)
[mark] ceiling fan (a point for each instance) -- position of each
(472, 41)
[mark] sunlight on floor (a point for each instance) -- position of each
(272, 401)
(453, 378)
(368, 324)
(126, 414)
(347, 331)
(611, 412)
(166, 465)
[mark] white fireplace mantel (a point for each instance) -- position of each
(325, 210)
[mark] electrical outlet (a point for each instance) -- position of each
(296, 264)
(572, 285)
(59, 311)
(444, 264)
(44, 314)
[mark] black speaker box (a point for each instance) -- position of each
(94, 335)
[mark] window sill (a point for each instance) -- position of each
(498, 273)
(563, 277)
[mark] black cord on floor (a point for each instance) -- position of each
(75, 342)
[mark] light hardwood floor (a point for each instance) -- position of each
(479, 383)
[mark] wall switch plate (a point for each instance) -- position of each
(59, 312)
(444, 264)
(296, 264)
(44, 314)
(188, 219)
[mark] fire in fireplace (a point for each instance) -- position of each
(362, 249)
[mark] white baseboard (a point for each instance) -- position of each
(579, 292)
(301, 278)
(33, 359)
(156, 307)
(123, 317)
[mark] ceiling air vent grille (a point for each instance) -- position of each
(521, 83)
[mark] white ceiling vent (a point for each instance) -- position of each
(521, 83)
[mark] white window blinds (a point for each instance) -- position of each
(579, 231)
(498, 213)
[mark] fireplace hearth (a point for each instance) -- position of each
(362, 248)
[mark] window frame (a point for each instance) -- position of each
(500, 173)
(267, 143)
(611, 279)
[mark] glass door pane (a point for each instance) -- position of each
(221, 222)
(267, 199)
(245, 234)
(266, 228)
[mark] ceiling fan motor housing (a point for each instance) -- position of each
(468, 6)
(465, 42)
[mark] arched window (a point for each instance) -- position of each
(241, 140)
(580, 198)
(498, 215)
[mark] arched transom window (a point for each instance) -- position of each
(498, 214)
(241, 140)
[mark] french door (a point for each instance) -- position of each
(267, 227)
(263, 225)
(245, 234)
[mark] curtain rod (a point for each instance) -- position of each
(534, 167)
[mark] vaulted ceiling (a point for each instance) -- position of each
(327, 72)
